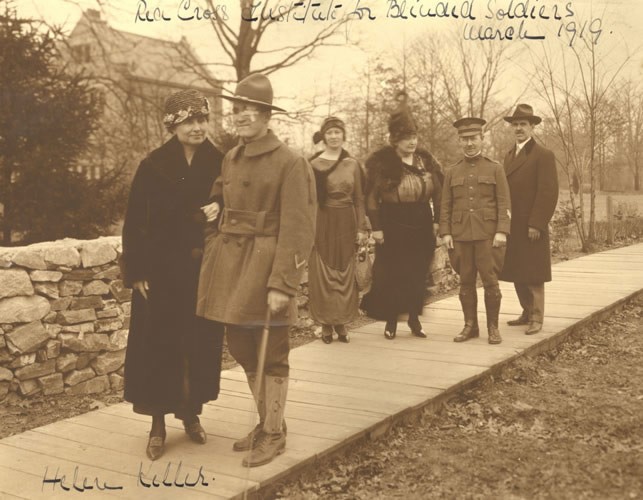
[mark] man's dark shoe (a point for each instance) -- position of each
(470, 331)
(494, 335)
(534, 327)
(155, 447)
(523, 319)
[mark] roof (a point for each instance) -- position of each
(142, 57)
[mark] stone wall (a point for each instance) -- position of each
(64, 316)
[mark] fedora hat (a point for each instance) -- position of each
(254, 89)
(524, 112)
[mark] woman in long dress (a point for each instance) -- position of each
(402, 183)
(341, 226)
(173, 358)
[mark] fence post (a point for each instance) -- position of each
(610, 220)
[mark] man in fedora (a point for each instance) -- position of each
(474, 223)
(533, 182)
(257, 258)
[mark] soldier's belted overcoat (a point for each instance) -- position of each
(266, 233)
(533, 183)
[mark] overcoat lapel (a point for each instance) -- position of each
(514, 163)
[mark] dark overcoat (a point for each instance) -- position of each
(266, 233)
(533, 183)
(162, 243)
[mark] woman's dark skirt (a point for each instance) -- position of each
(173, 357)
(402, 262)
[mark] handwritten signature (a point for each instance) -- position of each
(173, 476)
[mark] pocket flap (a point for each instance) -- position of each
(457, 181)
(486, 179)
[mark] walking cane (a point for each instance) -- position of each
(261, 363)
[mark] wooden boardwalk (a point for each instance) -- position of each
(338, 394)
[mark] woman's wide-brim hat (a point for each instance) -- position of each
(254, 89)
(524, 112)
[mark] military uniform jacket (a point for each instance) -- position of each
(266, 233)
(475, 200)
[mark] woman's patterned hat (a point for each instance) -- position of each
(184, 104)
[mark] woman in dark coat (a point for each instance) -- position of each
(173, 360)
(402, 180)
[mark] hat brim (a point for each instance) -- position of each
(251, 101)
(470, 133)
(531, 119)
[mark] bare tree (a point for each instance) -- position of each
(630, 99)
(470, 75)
(574, 83)
(243, 44)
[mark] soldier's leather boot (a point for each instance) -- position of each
(469, 301)
(244, 443)
(271, 440)
(492, 298)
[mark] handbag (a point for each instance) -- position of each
(363, 269)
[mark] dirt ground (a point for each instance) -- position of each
(566, 425)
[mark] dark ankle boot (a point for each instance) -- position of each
(416, 326)
(194, 430)
(390, 329)
(492, 297)
(469, 301)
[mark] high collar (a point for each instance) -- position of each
(473, 158)
(261, 146)
(521, 145)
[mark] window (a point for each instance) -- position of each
(81, 53)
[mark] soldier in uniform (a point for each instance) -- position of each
(257, 259)
(474, 223)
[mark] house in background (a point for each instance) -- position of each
(134, 75)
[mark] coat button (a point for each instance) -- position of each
(471, 210)
(471, 197)
(470, 187)
(233, 222)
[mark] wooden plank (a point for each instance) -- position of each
(35, 464)
(376, 353)
(346, 397)
(221, 460)
(338, 392)
(13, 482)
(122, 468)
